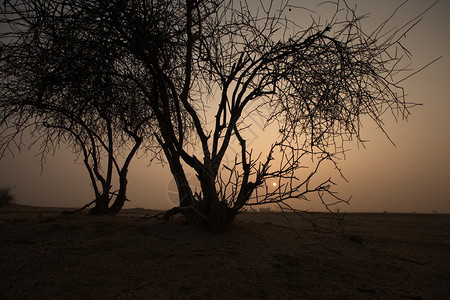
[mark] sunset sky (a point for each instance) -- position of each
(413, 176)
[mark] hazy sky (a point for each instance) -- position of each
(412, 176)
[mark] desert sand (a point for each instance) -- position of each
(47, 255)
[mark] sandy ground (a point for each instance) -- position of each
(47, 255)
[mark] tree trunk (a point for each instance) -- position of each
(208, 210)
(186, 197)
(121, 196)
(101, 204)
(218, 215)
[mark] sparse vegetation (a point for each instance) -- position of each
(6, 196)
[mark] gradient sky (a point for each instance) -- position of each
(413, 176)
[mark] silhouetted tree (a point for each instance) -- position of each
(56, 81)
(196, 60)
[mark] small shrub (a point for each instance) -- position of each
(6, 196)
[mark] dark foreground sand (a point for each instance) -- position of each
(46, 255)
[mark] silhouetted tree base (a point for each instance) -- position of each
(99, 209)
(217, 219)
(96, 211)
(112, 211)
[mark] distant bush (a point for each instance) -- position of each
(6, 196)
